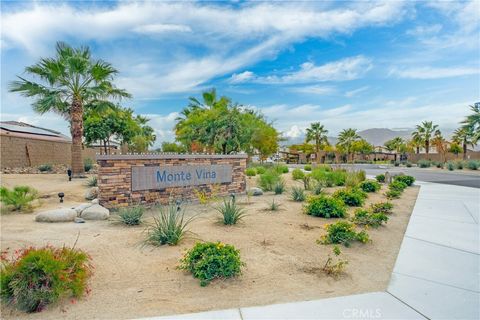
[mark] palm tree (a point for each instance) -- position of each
(396, 144)
(416, 142)
(70, 83)
(346, 138)
(317, 133)
(473, 122)
(464, 136)
(424, 133)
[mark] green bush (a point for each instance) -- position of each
(208, 261)
(230, 212)
(88, 164)
(169, 227)
(424, 163)
(338, 177)
(251, 172)
(298, 194)
(279, 187)
(381, 207)
(350, 196)
(261, 170)
(408, 180)
(131, 216)
(408, 164)
(397, 185)
(459, 164)
(268, 180)
(370, 186)
(325, 207)
(92, 181)
(329, 178)
(19, 198)
(380, 178)
(473, 165)
(36, 277)
(450, 165)
(343, 232)
(438, 164)
(47, 167)
(297, 174)
(307, 167)
(281, 168)
(367, 218)
(393, 194)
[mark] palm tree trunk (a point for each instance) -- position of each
(464, 151)
(76, 118)
(427, 146)
(418, 150)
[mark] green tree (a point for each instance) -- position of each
(455, 148)
(173, 147)
(396, 145)
(472, 121)
(362, 146)
(318, 134)
(464, 136)
(425, 133)
(70, 83)
(346, 138)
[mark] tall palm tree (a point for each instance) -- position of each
(69, 83)
(346, 138)
(416, 142)
(425, 132)
(317, 133)
(473, 122)
(464, 136)
(396, 144)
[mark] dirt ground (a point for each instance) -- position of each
(283, 261)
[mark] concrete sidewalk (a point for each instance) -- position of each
(436, 275)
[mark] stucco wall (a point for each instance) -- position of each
(115, 178)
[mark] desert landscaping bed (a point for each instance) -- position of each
(283, 259)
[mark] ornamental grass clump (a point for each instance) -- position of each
(279, 187)
(408, 180)
(131, 216)
(297, 174)
(92, 181)
(352, 197)
(281, 169)
(366, 218)
(369, 186)
(19, 198)
(307, 167)
(297, 194)
(260, 170)
(343, 232)
(46, 167)
(473, 164)
(424, 163)
(382, 207)
(268, 180)
(450, 166)
(325, 207)
(273, 206)
(36, 277)
(169, 226)
(208, 261)
(230, 212)
(251, 172)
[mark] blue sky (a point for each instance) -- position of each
(346, 64)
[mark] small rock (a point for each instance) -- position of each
(82, 207)
(91, 193)
(256, 191)
(79, 220)
(95, 212)
(95, 201)
(57, 215)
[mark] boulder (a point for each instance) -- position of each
(95, 201)
(256, 191)
(91, 193)
(79, 220)
(56, 215)
(95, 212)
(81, 207)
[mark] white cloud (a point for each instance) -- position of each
(434, 73)
(315, 89)
(355, 92)
(161, 28)
(241, 77)
(294, 132)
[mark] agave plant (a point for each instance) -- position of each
(18, 198)
(230, 212)
(170, 226)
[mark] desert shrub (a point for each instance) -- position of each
(408, 180)
(338, 177)
(328, 177)
(381, 207)
(19, 198)
(261, 170)
(279, 187)
(307, 182)
(343, 232)
(273, 206)
(459, 164)
(380, 178)
(131, 216)
(297, 174)
(450, 165)
(396, 164)
(36, 277)
(408, 164)
(88, 164)
(397, 185)
(281, 169)
(317, 188)
(169, 226)
(352, 197)
(205, 196)
(438, 164)
(473, 165)
(46, 167)
(393, 194)
(369, 186)
(336, 267)
(307, 167)
(230, 212)
(251, 172)
(367, 218)
(325, 207)
(208, 261)
(424, 163)
(92, 181)
(266, 181)
(298, 194)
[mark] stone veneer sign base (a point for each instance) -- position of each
(125, 180)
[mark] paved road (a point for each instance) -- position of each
(458, 178)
